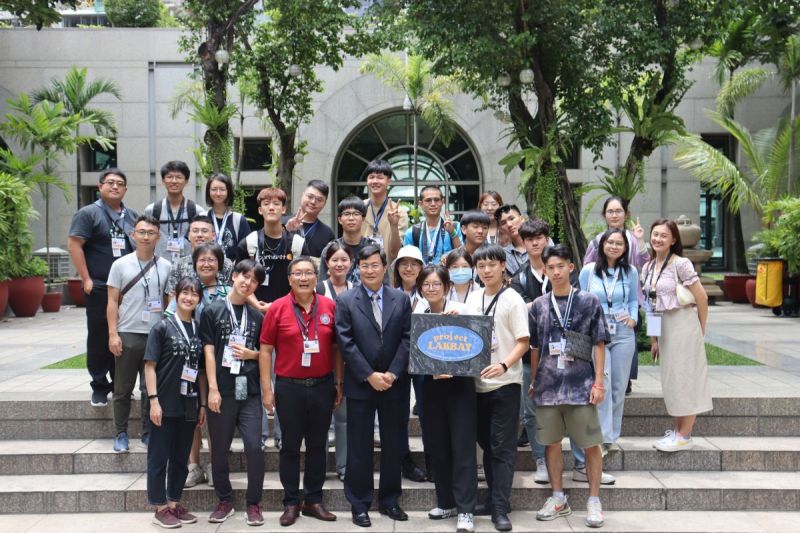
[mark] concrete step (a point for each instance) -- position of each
(76, 456)
(634, 491)
(28, 416)
(523, 522)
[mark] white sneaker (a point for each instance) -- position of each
(553, 508)
(437, 513)
(594, 515)
(196, 475)
(579, 474)
(208, 475)
(541, 476)
(666, 439)
(465, 523)
(331, 439)
(677, 444)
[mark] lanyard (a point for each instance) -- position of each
(146, 279)
(444, 307)
(241, 329)
(541, 279)
(307, 233)
(491, 304)
(312, 319)
(414, 297)
(173, 220)
(115, 228)
(179, 324)
(332, 290)
(432, 242)
(652, 288)
(454, 292)
(610, 291)
(563, 322)
(219, 230)
(377, 218)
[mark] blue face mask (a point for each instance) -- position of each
(460, 275)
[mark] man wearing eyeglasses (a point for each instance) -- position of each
(98, 236)
(435, 235)
(135, 304)
(174, 212)
(306, 221)
(201, 230)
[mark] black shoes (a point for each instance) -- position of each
(394, 512)
(523, 440)
(411, 471)
(483, 509)
(362, 519)
(501, 522)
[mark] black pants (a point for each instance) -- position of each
(419, 395)
(305, 413)
(129, 366)
(99, 360)
(246, 416)
(450, 412)
(168, 458)
(359, 486)
(498, 420)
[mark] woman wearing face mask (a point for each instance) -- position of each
(488, 203)
(679, 343)
(449, 417)
(616, 285)
(462, 275)
(230, 227)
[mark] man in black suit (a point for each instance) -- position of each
(373, 323)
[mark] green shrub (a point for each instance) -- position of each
(133, 13)
(783, 238)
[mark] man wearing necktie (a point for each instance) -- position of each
(373, 323)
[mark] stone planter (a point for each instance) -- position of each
(25, 295)
(75, 291)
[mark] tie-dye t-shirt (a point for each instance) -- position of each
(571, 385)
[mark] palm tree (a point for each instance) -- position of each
(756, 180)
(76, 93)
(425, 94)
(789, 73)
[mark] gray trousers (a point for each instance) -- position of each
(127, 368)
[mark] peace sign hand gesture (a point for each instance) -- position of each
(638, 231)
(393, 214)
(448, 223)
(296, 222)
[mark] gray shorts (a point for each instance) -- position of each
(581, 422)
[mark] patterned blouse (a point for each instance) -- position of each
(666, 297)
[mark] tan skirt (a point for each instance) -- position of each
(684, 370)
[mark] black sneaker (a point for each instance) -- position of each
(523, 440)
(99, 399)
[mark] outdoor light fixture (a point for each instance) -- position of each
(407, 104)
(295, 71)
(504, 80)
(222, 56)
(526, 76)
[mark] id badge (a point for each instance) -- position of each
(227, 357)
(175, 245)
(145, 316)
(378, 238)
(184, 388)
(117, 245)
(306, 360)
(240, 390)
(562, 362)
(564, 353)
(154, 306)
(622, 316)
(189, 374)
(311, 346)
(555, 348)
(653, 324)
(266, 281)
(612, 328)
(494, 342)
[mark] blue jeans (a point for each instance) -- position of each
(619, 354)
(528, 413)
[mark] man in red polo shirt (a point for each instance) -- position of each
(298, 331)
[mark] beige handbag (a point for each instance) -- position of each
(685, 296)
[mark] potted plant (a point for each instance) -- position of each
(75, 291)
(53, 294)
(16, 210)
(26, 289)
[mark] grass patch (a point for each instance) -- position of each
(78, 361)
(716, 357)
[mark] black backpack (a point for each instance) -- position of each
(191, 212)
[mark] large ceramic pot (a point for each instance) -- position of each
(25, 295)
(3, 297)
(75, 291)
(690, 233)
(51, 301)
(734, 287)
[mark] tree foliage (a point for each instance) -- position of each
(37, 12)
(133, 13)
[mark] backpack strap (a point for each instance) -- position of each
(237, 221)
(157, 210)
(416, 231)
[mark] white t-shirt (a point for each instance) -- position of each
(510, 323)
(422, 306)
(134, 303)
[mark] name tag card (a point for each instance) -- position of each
(189, 374)
(311, 346)
(306, 360)
(117, 246)
(653, 324)
(175, 245)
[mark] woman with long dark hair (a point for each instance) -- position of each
(677, 302)
(229, 226)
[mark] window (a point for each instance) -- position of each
(713, 209)
(453, 167)
(256, 153)
(97, 158)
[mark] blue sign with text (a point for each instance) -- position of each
(450, 343)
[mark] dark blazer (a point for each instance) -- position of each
(364, 348)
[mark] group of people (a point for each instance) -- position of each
(224, 326)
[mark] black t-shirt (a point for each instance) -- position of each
(274, 255)
(215, 328)
(96, 223)
(232, 235)
(317, 235)
(167, 347)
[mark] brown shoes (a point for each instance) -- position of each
(318, 511)
(290, 514)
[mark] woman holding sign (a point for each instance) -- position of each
(449, 414)
(677, 309)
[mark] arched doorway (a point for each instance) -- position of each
(455, 168)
